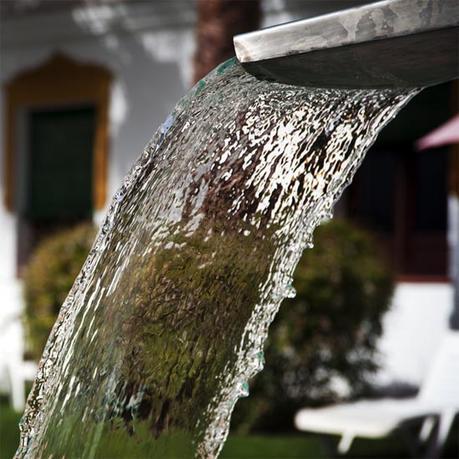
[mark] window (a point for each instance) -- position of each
(56, 147)
(400, 195)
(57, 168)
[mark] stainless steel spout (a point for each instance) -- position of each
(392, 43)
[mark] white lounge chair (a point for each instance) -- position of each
(14, 371)
(436, 405)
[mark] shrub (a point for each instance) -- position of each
(195, 290)
(326, 334)
(48, 278)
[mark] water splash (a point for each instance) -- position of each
(166, 322)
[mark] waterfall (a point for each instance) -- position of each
(166, 322)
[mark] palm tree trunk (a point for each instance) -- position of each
(218, 22)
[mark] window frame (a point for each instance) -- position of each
(60, 81)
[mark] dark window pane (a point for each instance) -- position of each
(374, 206)
(55, 182)
(60, 164)
(431, 191)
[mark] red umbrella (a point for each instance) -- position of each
(446, 134)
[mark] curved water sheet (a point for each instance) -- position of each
(166, 322)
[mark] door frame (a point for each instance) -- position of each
(59, 81)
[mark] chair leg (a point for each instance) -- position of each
(427, 428)
(334, 449)
(345, 443)
(438, 441)
(17, 388)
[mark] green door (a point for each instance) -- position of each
(56, 174)
(60, 164)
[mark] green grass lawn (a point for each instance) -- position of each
(9, 431)
(247, 447)
(253, 446)
(275, 446)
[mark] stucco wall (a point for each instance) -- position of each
(151, 70)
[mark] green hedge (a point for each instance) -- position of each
(327, 333)
(48, 278)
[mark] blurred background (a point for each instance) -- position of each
(85, 84)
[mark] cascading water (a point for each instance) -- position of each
(166, 322)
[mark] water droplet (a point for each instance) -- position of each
(290, 291)
(244, 389)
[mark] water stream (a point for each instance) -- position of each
(166, 322)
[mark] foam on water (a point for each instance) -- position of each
(166, 322)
